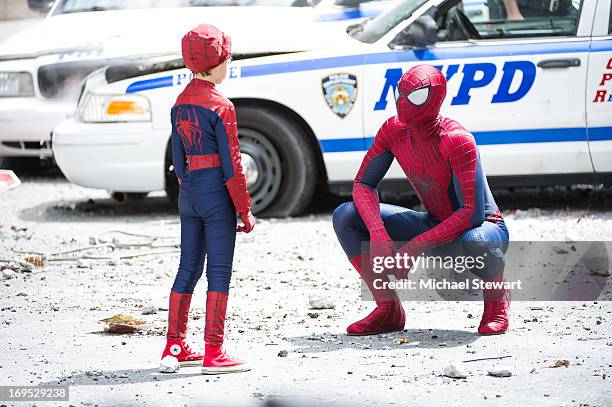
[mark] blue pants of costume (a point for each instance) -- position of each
(404, 224)
(208, 231)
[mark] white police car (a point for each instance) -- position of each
(41, 68)
(536, 92)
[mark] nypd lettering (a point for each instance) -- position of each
(603, 95)
(340, 92)
(476, 75)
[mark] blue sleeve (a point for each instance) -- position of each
(178, 156)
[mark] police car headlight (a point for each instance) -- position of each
(114, 108)
(14, 84)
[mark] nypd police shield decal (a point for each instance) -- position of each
(340, 92)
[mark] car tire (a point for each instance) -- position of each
(285, 163)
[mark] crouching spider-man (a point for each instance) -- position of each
(441, 161)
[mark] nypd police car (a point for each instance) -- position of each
(535, 90)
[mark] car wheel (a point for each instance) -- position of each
(280, 166)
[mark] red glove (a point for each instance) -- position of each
(179, 181)
(248, 221)
(236, 186)
(403, 271)
(381, 245)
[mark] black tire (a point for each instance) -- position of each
(286, 164)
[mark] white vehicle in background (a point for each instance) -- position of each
(41, 68)
(536, 94)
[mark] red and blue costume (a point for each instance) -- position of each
(442, 163)
(206, 158)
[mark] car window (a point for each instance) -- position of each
(486, 19)
(375, 28)
(80, 6)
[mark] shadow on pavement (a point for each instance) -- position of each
(418, 339)
(126, 376)
(100, 210)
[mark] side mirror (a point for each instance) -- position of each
(421, 33)
(40, 6)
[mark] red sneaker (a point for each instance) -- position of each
(180, 349)
(216, 361)
(178, 315)
(495, 317)
(388, 316)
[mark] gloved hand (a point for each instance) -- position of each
(248, 221)
(381, 245)
(407, 252)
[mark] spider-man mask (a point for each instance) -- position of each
(205, 47)
(419, 95)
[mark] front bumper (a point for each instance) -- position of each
(125, 157)
(26, 124)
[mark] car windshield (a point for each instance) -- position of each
(81, 6)
(373, 29)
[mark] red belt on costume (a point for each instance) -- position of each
(197, 162)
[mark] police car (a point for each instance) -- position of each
(535, 90)
(41, 68)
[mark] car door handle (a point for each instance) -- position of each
(559, 63)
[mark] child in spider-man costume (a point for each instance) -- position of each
(441, 161)
(206, 157)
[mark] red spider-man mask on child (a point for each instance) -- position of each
(205, 47)
(419, 95)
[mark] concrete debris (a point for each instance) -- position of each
(455, 370)
(559, 363)
(319, 301)
(83, 264)
(7, 274)
(283, 354)
(500, 371)
(149, 311)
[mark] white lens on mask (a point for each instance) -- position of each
(419, 96)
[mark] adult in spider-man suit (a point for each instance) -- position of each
(441, 161)
(206, 156)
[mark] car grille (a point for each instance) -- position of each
(63, 80)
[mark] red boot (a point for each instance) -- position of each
(495, 319)
(216, 361)
(388, 316)
(178, 315)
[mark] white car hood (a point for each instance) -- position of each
(110, 34)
